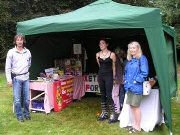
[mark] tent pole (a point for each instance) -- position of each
(177, 96)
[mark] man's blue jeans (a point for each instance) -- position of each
(19, 87)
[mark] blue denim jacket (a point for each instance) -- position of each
(136, 71)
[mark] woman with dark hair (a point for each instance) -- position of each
(107, 73)
(18, 62)
(120, 64)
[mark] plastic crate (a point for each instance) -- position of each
(38, 104)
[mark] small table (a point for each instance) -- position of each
(44, 88)
(151, 112)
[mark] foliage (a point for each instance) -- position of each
(135, 2)
(5, 28)
(177, 28)
(170, 14)
(170, 11)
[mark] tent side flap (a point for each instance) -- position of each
(158, 50)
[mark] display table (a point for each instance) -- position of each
(42, 89)
(151, 112)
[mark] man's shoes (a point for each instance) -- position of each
(20, 119)
(28, 118)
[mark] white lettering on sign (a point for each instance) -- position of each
(63, 91)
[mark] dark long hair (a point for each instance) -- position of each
(104, 39)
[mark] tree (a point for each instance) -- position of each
(5, 25)
(170, 10)
(135, 2)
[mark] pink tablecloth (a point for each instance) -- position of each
(48, 98)
(79, 87)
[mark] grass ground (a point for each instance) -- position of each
(78, 118)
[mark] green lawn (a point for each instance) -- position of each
(78, 118)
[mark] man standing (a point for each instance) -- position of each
(18, 62)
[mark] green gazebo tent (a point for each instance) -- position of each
(109, 15)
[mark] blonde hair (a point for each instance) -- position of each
(129, 56)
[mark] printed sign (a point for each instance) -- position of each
(63, 93)
(91, 83)
(77, 48)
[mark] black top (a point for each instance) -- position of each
(105, 65)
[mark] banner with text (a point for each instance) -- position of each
(91, 83)
(63, 93)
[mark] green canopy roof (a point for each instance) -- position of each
(103, 14)
(106, 14)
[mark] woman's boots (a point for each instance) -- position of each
(113, 115)
(104, 114)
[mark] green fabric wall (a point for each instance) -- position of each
(172, 61)
(45, 49)
(158, 50)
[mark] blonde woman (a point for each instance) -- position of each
(136, 70)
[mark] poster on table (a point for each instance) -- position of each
(91, 83)
(63, 93)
